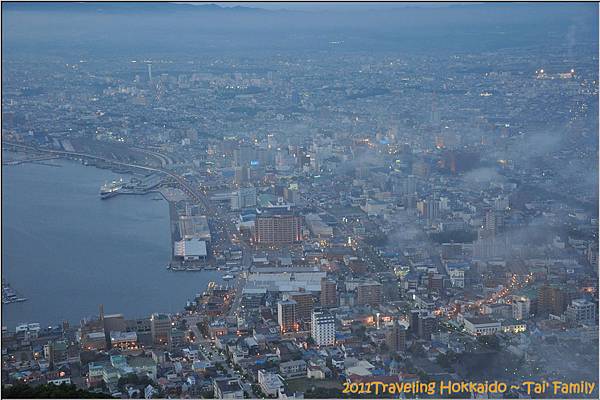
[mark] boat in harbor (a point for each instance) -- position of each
(108, 190)
(9, 295)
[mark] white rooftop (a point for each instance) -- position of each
(190, 247)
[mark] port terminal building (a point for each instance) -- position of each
(194, 227)
(194, 232)
(190, 249)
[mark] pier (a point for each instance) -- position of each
(30, 160)
(180, 181)
(9, 295)
(137, 186)
(148, 186)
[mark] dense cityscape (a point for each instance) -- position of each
(402, 217)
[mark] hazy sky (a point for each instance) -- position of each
(110, 29)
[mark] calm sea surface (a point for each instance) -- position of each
(67, 251)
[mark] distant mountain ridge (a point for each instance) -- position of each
(374, 8)
(166, 7)
(122, 7)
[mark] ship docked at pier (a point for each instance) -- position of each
(111, 189)
(136, 186)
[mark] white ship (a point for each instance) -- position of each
(108, 190)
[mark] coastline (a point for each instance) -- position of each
(206, 276)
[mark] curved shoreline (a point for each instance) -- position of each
(156, 277)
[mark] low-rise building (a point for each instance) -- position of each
(123, 340)
(190, 249)
(95, 374)
(269, 383)
(227, 388)
(293, 369)
(93, 341)
(479, 326)
(512, 326)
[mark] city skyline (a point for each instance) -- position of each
(277, 200)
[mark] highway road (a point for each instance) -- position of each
(240, 281)
(185, 185)
(164, 160)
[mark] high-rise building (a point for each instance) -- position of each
(242, 175)
(160, 327)
(521, 308)
(243, 197)
(177, 338)
(427, 325)
(501, 203)
(328, 293)
(277, 227)
(390, 288)
(271, 141)
(592, 254)
(410, 185)
(551, 300)
(114, 322)
(420, 168)
(433, 209)
(92, 332)
(369, 293)
(414, 322)
(429, 209)
(290, 193)
(489, 243)
(581, 311)
(323, 328)
(395, 337)
(286, 316)
(444, 204)
(305, 304)
(434, 116)
(244, 155)
(56, 352)
(492, 221)
(435, 282)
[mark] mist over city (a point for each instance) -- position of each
(299, 200)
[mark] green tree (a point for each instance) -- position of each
(423, 377)
(489, 341)
(133, 379)
(49, 391)
(446, 360)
